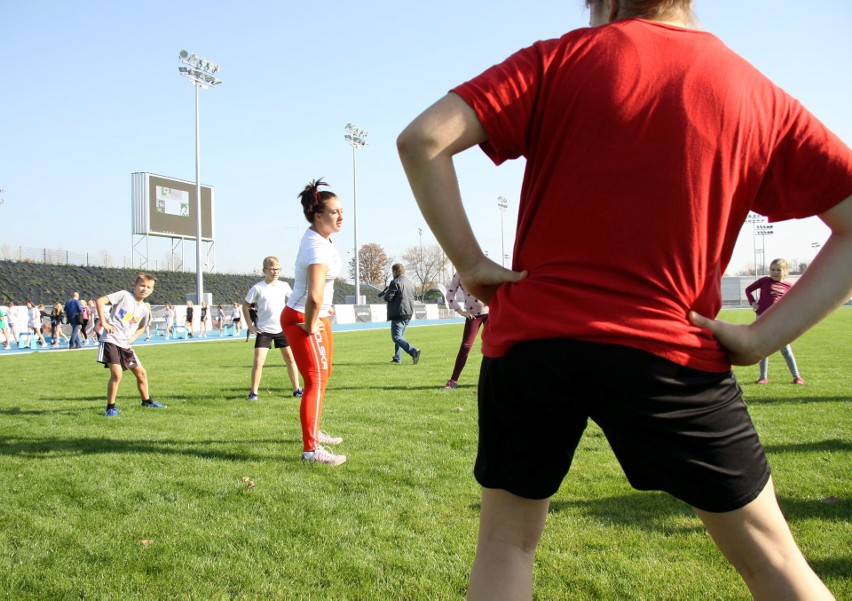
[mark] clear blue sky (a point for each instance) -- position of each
(89, 93)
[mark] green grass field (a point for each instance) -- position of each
(155, 504)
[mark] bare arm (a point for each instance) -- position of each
(143, 325)
(426, 149)
(101, 304)
(247, 313)
(313, 303)
(825, 285)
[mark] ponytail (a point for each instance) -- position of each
(313, 199)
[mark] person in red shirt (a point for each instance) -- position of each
(772, 288)
(647, 142)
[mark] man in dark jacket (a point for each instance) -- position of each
(399, 295)
(74, 312)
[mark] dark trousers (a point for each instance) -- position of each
(471, 327)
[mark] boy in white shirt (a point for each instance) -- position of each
(271, 296)
(128, 316)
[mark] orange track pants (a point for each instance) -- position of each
(313, 354)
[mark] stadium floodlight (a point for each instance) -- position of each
(763, 230)
(754, 219)
(503, 204)
(196, 70)
(357, 138)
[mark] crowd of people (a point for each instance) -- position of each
(75, 324)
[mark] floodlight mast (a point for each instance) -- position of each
(200, 72)
(503, 204)
(357, 138)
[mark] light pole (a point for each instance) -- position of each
(503, 203)
(815, 246)
(357, 138)
(763, 230)
(754, 219)
(200, 71)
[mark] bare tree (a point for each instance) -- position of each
(425, 264)
(106, 259)
(373, 264)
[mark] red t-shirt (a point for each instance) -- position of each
(646, 147)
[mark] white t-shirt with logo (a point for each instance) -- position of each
(126, 315)
(271, 300)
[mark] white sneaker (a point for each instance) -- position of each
(320, 455)
(326, 438)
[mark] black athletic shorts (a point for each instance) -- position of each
(111, 353)
(264, 340)
(672, 428)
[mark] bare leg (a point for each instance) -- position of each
(115, 373)
(759, 544)
(509, 530)
(257, 367)
(292, 368)
(141, 381)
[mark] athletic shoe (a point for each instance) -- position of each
(762, 381)
(152, 404)
(147, 338)
(326, 438)
(297, 394)
(7, 347)
(416, 356)
(451, 384)
(395, 361)
(798, 380)
(252, 396)
(111, 412)
(320, 455)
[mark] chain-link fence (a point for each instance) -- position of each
(54, 256)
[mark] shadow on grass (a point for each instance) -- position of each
(833, 444)
(837, 567)
(18, 411)
(652, 511)
(660, 512)
(799, 509)
(206, 449)
(797, 400)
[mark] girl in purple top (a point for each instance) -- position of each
(771, 289)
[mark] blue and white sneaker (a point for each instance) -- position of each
(152, 404)
(111, 412)
(252, 396)
(297, 394)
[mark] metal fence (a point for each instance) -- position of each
(54, 256)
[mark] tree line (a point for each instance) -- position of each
(427, 266)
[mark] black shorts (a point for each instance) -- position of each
(264, 340)
(109, 353)
(672, 428)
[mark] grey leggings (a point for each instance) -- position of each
(787, 353)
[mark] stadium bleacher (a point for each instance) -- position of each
(46, 283)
